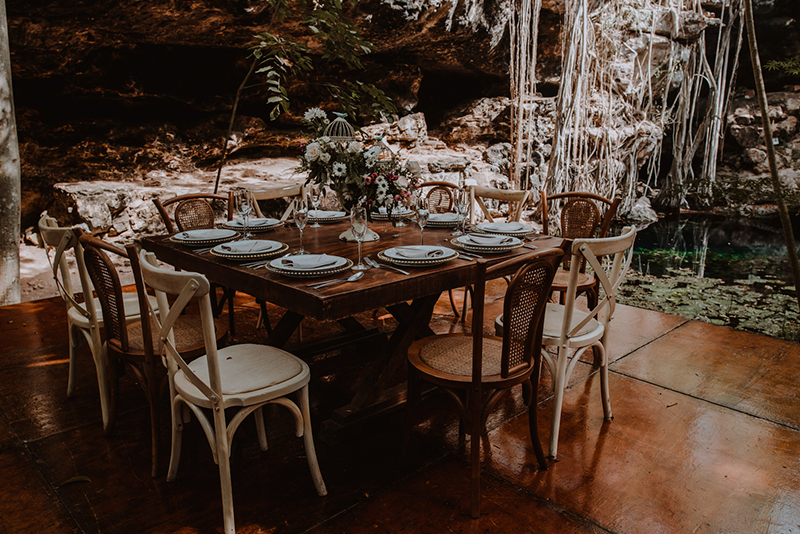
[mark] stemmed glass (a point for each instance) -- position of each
(300, 219)
(243, 207)
(358, 224)
(423, 211)
(462, 208)
(316, 198)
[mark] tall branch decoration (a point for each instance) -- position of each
(632, 71)
(523, 26)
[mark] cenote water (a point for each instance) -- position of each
(706, 246)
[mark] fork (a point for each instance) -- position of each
(381, 266)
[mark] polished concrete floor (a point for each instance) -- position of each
(706, 438)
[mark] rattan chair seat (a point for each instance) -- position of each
(561, 281)
(453, 355)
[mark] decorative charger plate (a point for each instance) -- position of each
(210, 236)
(396, 214)
(404, 255)
(283, 267)
(443, 220)
(249, 249)
(254, 224)
(512, 228)
(500, 243)
(323, 216)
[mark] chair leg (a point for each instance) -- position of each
(177, 438)
(533, 421)
(604, 391)
(453, 303)
(73, 356)
(260, 429)
(223, 454)
(263, 317)
(231, 323)
(108, 380)
(412, 402)
(476, 425)
(559, 382)
(308, 442)
(155, 418)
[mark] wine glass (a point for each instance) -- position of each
(300, 219)
(316, 198)
(243, 207)
(423, 211)
(358, 224)
(462, 208)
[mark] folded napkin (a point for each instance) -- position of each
(506, 227)
(249, 246)
(443, 217)
(323, 214)
(420, 252)
(309, 262)
(487, 240)
(211, 233)
(395, 212)
(254, 221)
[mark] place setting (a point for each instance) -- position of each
(204, 237)
(254, 224)
(486, 243)
(514, 229)
(309, 265)
(418, 255)
(249, 249)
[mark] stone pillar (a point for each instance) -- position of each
(9, 176)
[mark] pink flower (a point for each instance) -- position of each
(398, 198)
(368, 180)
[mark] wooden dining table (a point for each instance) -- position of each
(409, 298)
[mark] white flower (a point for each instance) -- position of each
(374, 152)
(315, 113)
(339, 169)
(381, 182)
(313, 151)
(401, 181)
(325, 158)
(354, 147)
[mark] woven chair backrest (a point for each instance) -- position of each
(186, 286)
(108, 287)
(440, 199)
(162, 206)
(523, 308)
(194, 214)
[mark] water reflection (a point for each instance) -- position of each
(714, 247)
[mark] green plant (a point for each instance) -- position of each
(789, 66)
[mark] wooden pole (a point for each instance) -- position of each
(783, 212)
(9, 176)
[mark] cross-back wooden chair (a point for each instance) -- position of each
(440, 195)
(289, 192)
(131, 345)
(84, 315)
(242, 377)
(193, 211)
(475, 369)
(582, 215)
(568, 329)
(187, 217)
(516, 201)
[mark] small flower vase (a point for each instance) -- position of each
(347, 235)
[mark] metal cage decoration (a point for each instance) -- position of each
(340, 131)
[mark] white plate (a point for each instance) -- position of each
(247, 248)
(413, 253)
(323, 214)
(443, 217)
(255, 222)
(515, 228)
(488, 241)
(308, 263)
(210, 234)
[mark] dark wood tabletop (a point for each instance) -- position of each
(378, 288)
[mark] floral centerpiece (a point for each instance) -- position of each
(370, 175)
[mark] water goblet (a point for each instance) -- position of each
(358, 224)
(462, 208)
(423, 212)
(243, 207)
(316, 198)
(300, 219)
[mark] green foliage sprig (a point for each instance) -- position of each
(789, 66)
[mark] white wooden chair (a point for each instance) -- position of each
(567, 328)
(84, 315)
(246, 376)
(289, 192)
(516, 201)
